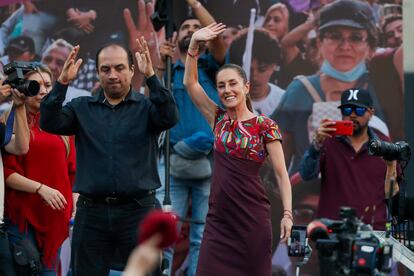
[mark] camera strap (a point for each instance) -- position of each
(8, 128)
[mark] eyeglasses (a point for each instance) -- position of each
(338, 39)
(359, 111)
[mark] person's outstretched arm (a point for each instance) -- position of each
(55, 118)
(216, 46)
(199, 97)
(163, 111)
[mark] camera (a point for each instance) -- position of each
(349, 247)
(15, 72)
(400, 151)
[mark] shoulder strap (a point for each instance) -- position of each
(309, 87)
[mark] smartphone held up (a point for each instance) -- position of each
(343, 127)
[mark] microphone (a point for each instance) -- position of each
(159, 222)
(317, 230)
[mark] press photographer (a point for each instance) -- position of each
(349, 175)
(349, 247)
(14, 138)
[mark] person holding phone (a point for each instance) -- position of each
(350, 177)
(346, 36)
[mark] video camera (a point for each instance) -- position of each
(15, 72)
(400, 151)
(349, 247)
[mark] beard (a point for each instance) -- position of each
(359, 129)
(184, 43)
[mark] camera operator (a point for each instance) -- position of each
(350, 176)
(17, 144)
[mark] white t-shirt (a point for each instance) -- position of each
(268, 105)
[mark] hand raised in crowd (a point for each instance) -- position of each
(143, 58)
(18, 98)
(82, 20)
(52, 197)
(143, 27)
(71, 67)
(324, 131)
(168, 48)
(5, 91)
(209, 33)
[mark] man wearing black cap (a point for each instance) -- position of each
(346, 38)
(349, 176)
(20, 48)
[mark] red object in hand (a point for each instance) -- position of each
(159, 222)
(343, 128)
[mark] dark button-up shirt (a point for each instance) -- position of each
(116, 146)
(349, 178)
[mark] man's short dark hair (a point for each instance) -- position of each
(187, 18)
(266, 49)
(127, 51)
(389, 19)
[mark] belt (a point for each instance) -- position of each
(110, 200)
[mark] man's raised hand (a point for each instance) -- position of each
(144, 58)
(71, 67)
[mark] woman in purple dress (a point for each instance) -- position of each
(237, 236)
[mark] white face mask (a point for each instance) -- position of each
(349, 76)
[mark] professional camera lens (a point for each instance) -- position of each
(29, 87)
(399, 151)
(15, 72)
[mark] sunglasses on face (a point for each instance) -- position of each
(359, 111)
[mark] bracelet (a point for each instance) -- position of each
(38, 188)
(287, 214)
(192, 55)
